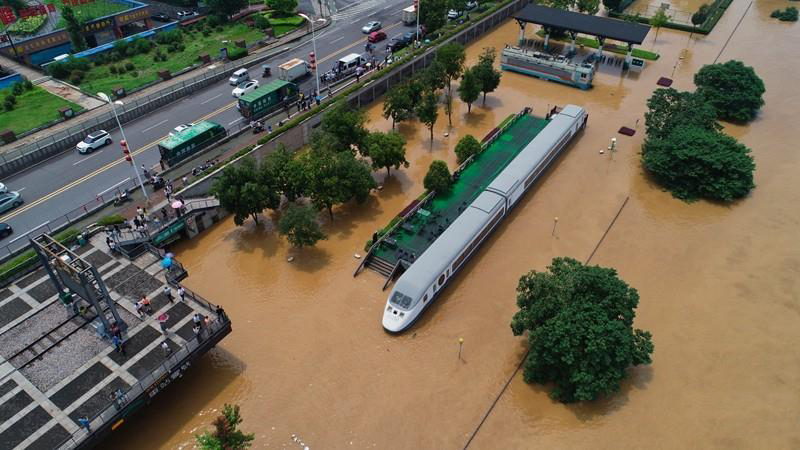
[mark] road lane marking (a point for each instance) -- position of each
(151, 127)
(21, 189)
(231, 123)
(358, 42)
(88, 157)
(337, 40)
(112, 187)
(212, 98)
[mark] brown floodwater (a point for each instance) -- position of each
(718, 285)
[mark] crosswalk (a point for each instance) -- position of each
(355, 10)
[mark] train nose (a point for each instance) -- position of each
(393, 319)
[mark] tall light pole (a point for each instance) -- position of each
(314, 43)
(133, 163)
(416, 9)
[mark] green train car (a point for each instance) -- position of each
(186, 143)
(266, 99)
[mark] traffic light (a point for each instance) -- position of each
(312, 60)
(126, 152)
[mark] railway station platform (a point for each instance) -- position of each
(57, 368)
(417, 232)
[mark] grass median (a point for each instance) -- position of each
(34, 108)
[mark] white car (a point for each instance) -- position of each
(181, 127)
(453, 14)
(244, 88)
(187, 14)
(93, 141)
(3, 188)
(471, 5)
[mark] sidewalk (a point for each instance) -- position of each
(33, 75)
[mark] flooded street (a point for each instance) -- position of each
(718, 285)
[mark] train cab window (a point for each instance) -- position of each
(441, 279)
(425, 299)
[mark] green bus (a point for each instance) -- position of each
(267, 98)
(186, 143)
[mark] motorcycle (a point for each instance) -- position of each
(120, 199)
(257, 127)
(267, 71)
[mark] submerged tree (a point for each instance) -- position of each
(386, 150)
(659, 19)
(299, 224)
(335, 178)
(438, 177)
(226, 434)
(732, 88)
(489, 76)
(399, 103)
(245, 190)
(579, 321)
(466, 147)
(345, 125)
(428, 111)
(470, 88)
(669, 108)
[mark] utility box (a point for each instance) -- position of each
(164, 74)
(119, 92)
(7, 136)
(66, 112)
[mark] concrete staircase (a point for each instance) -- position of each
(380, 265)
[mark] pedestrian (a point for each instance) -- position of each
(139, 309)
(182, 293)
(146, 305)
(185, 180)
(269, 128)
(168, 293)
(117, 232)
(118, 345)
(109, 242)
(136, 222)
(196, 318)
(161, 163)
(156, 223)
(164, 214)
(165, 348)
(84, 421)
(163, 326)
(145, 172)
(167, 194)
(206, 321)
(112, 247)
(139, 211)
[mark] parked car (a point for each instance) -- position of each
(239, 77)
(409, 36)
(93, 141)
(376, 36)
(3, 188)
(187, 14)
(10, 200)
(5, 230)
(244, 88)
(181, 127)
(371, 26)
(453, 14)
(396, 44)
(162, 17)
(470, 5)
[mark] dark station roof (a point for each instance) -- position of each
(619, 30)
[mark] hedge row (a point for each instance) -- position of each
(718, 7)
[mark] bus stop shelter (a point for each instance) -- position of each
(573, 23)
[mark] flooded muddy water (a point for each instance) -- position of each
(718, 285)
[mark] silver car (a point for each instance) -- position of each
(10, 200)
(371, 26)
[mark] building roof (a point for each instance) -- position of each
(273, 85)
(179, 138)
(619, 30)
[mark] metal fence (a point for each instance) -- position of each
(25, 155)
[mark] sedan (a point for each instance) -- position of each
(396, 44)
(93, 141)
(5, 230)
(10, 200)
(471, 5)
(187, 14)
(453, 14)
(376, 36)
(244, 88)
(162, 18)
(371, 26)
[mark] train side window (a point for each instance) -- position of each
(441, 279)
(425, 299)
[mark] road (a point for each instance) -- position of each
(70, 180)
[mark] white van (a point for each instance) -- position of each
(349, 63)
(239, 77)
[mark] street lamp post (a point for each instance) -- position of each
(416, 5)
(316, 56)
(122, 131)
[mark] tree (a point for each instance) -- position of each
(286, 172)
(489, 76)
(226, 435)
(470, 88)
(282, 7)
(732, 88)
(659, 19)
(466, 147)
(693, 162)
(560, 4)
(590, 7)
(438, 177)
(245, 191)
(225, 8)
(74, 28)
(669, 108)
(428, 111)
(699, 17)
(398, 103)
(299, 224)
(433, 78)
(451, 58)
(432, 14)
(387, 150)
(579, 321)
(346, 125)
(335, 178)
(612, 5)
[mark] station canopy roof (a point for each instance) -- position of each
(619, 30)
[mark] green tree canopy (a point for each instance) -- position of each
(560, 4)
(433, 77)
(612, 5)
(695, 162)
(659, 19)
(74, 28)
(287, 173)
(470, 88)
(489, 76)
(245, 190)
(225, 8)
(732, 88)
(226, 434)
(387, 150)
(669, 108)
(282, 7)
(451, 57)
(432, 14)
(699, 17)
(579, 321)
(345, 125)
(466, 147)
(398, 103)
(438, 177)
(299, 224)
(590, 7)
(428, 111)
(335, 178)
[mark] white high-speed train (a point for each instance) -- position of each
(421, 283)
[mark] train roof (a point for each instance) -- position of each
(427, 267)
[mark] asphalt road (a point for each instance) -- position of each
(68, 181)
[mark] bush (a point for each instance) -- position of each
(466, 147)
(135, 73)
(237, 53)
(121, 48)
(214, 21)
(17, 89)
(63, 69)
(112, 219)
(129, 66)
(180, 48)
(8, 106)
(218, 29)
(173, 47)
(168, 37)
(143, 45)
(787, 15)
(112, 69)
(206, 33)
(28, 84)
(260, 22)
(120, 69)
(438, 177)
(11, 98)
